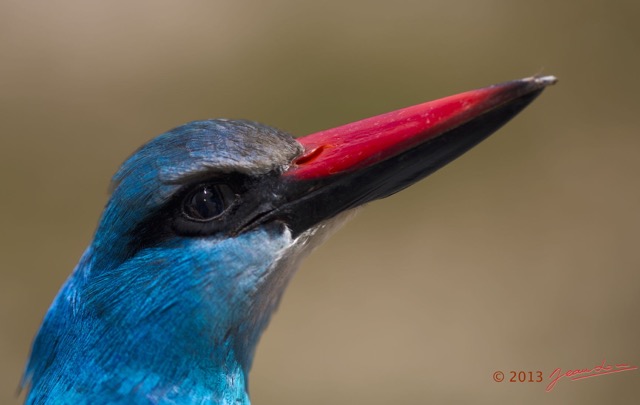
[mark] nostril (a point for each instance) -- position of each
(309, 155)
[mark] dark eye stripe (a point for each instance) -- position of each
(202, 205)
(216, 205)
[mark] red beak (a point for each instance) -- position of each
(360, 144)
(347, 166)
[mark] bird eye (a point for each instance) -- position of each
(207, 202)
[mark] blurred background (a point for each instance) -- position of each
(522, 255)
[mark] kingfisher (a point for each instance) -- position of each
(206, 225)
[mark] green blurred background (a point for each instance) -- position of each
(522, 255)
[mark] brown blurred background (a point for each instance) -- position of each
(522, 255)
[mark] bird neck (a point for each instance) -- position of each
(84, 355)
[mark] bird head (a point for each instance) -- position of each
(205, 226)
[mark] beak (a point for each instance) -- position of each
(348, 166)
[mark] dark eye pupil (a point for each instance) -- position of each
(204, 203)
